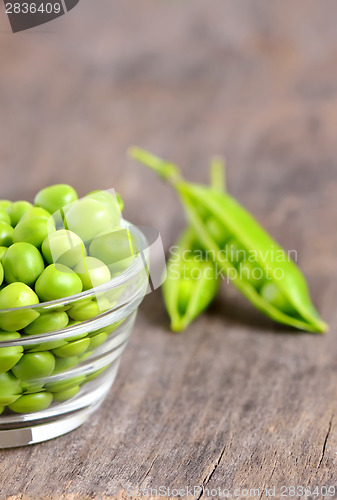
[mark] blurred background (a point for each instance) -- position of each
(254, 81)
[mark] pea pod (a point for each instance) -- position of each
(284, 298)
(191, 282)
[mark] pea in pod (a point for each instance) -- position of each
(284, 298)
(192, 281)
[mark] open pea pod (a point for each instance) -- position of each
(192, 282)
(284, 298)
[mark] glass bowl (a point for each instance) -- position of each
(52, 381)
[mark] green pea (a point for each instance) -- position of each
(55, 197)
(274, 296)
(200, 204)
(1, 274)
(93, 272)
(5, 204)
(110, 202)
(235, 253)
(116, 249)
(17, 295)
(97, 340)
(64, 364)
(4, 217)
(63, 385)
(34, 365)
(111, 297)
(72, 349)
(77, 337)
(185, 291)
(67, 394)
(108, 330)
(10, 389)
(30, 403)
(48, 322)
(57, 281)
(9, 356)
(88, 218)
(33, 230)
(96, 332)
(189, 288)
(84, 310)
(34, 212)
(6, 234)
(120, 202)
(3, 250)
(191, 282)
(63, 247)
(17, 209)
(73, 323)
(96, 374)
(22, 263)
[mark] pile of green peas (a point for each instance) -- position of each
(55, 248)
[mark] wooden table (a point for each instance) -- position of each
(236, 401)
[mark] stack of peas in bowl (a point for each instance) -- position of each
(55, 257)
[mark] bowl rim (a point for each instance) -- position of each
(138, 264)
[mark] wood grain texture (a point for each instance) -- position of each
(236, 401)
